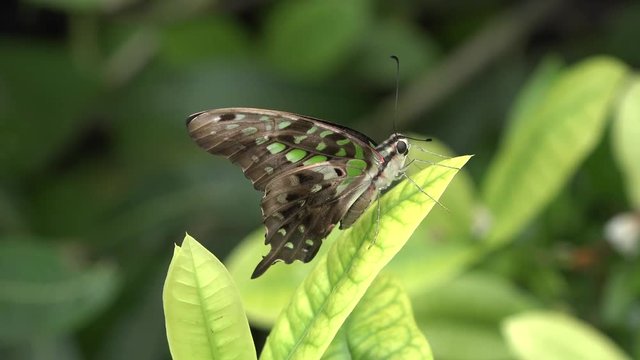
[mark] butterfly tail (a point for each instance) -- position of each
(263, 265)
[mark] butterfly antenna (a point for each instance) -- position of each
(395, 109)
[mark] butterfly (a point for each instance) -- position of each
(313, 174)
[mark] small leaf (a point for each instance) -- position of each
(625, 135)
(41, 295)
(310, 39)
(551, 140)
(332, 290)
(550, 336)
(203, 312)
(380, 327)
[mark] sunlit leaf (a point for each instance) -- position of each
(534, 92)
(625, 135)
(551, 336)
(551, 140)
(443, 245)
(380, 327)
(333, 288)
(203, 312)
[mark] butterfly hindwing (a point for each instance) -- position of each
(302, 206)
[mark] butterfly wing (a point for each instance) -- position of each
(303, 205)
(311, 172)
(266, 143)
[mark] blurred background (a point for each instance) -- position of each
(98, 177)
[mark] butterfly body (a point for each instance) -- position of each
(314, 174)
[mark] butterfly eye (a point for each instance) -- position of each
(402, 147)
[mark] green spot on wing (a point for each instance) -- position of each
(295, 155)
(283, 124)
(326, 133)
(276, 147)
(315, 159)
(312, 130)
(341, 152)
(355, 167)
(298, 139)
(249, 131)
(343, 142)
(359, 152)
(321, 146)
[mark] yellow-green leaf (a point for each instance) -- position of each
(380, 327)
(554, 336)
(327, 296)
(548, 144)
(203, 312)
(625, 135)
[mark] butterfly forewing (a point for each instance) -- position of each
(311, 172)
(266, 143)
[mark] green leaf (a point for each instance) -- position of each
(380, 327)
(551, 140)
(550, 336)
(443, 245)
(311, 39)
(42, 295)
(328, 295)
(624, 139)
(203, 312)
(534, 92)
(461, 318)
(279, 282)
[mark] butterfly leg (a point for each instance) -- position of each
(424, 192)
(430, 163)
(378, 214)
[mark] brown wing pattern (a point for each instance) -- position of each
(311, 172)
(261, 141)
(301, 207)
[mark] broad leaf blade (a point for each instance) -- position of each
(550, 142)
(380, 327)
(551, 336)
(625, 135)
(203, 311)
(332, 290)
